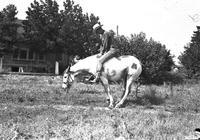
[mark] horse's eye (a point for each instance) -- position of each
(65, 77)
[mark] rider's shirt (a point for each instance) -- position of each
(106, 39)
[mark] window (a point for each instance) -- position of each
(16, 54)
(30, 55)
(23, 54)
(41, 57)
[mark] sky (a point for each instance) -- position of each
(170, 22)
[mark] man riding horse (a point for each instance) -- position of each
(107, 51)
(105, 66)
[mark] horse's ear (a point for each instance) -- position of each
(76, 58)
(68, 69)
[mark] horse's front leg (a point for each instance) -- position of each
(108, 91)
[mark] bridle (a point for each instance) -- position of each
(69, 77)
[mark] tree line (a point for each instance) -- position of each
(48, 29)
(190, 58)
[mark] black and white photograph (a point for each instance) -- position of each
(99, 70)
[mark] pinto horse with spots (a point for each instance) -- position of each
(124, 68)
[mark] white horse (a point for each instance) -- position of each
(124, 68)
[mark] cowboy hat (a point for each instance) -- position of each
(97, 26)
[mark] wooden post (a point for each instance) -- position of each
(1, 64)
(164, 84)
(57, 68)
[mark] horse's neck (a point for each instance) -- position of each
(77, 67)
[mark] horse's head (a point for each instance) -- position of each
(68, 79)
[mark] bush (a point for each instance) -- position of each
(151, 96)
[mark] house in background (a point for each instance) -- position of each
(23, 59)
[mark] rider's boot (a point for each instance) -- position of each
(97, 76)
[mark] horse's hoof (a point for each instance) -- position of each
(108, 101)
(111, 107)
(118, 106)
(107, 108)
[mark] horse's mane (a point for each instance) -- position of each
(85, 62)
(91, 57)
(88, 59)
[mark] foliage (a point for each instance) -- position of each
(190, 58)
(156, 59)
(53, 30)
(77, 30)
(8, 28)
(42, 26)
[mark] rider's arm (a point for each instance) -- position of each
(106, 43)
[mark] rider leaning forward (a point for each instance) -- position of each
(107, 51)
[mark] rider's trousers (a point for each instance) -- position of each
(105, 57)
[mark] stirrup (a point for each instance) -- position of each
(96, 79)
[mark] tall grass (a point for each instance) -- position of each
(187, 99)
(37, 107)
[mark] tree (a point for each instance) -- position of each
(8, 28)
(122, 43)
(158, 62)
(92, 40)
(77, 30)
(43, 25)
(68, 30)
(156, 59)
(190, 58)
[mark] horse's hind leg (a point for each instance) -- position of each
(108, 91)
(124, 82)
(127, 90)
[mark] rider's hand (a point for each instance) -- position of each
(99, 55)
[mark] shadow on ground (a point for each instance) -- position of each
(144, 100)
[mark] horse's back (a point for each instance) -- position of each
(117, 64)
(123, 61)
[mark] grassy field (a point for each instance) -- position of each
(36, 107)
